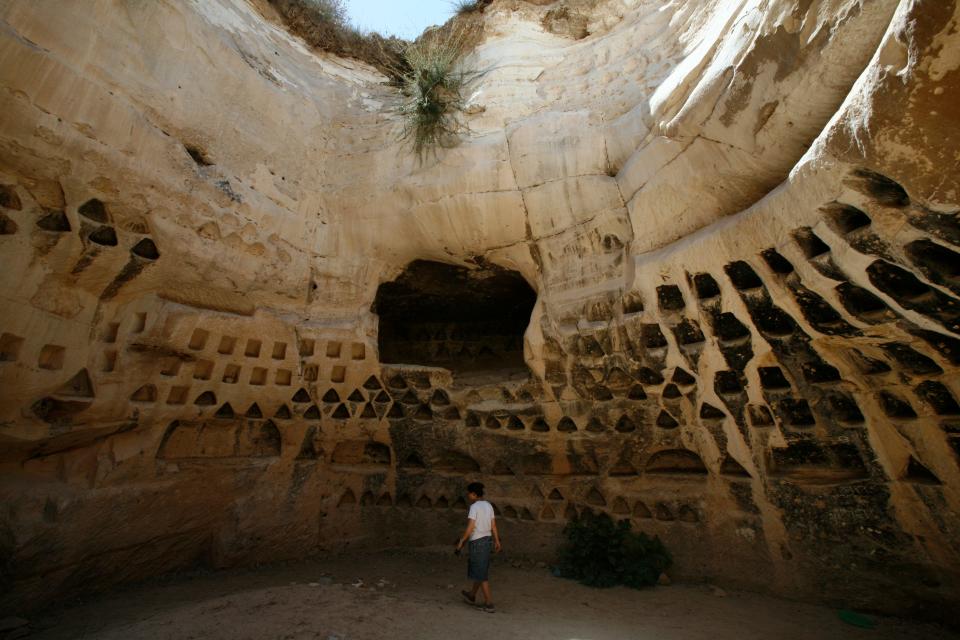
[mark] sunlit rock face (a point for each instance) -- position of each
(694, 265)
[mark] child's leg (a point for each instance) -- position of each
(485, 585)
(474, 589)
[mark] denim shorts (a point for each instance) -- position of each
(478, 563)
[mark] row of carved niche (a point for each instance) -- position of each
(620, 506)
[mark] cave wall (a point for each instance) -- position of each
(740, 220)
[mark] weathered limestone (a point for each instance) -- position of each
(739, 220)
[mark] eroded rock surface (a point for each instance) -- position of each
(732, 227)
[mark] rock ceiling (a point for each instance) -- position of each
(736, 223)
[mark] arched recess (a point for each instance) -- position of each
(468, 320)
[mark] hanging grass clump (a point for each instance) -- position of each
(463, 7)
(433, 92)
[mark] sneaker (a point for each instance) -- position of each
(468, 598)
(487, 608)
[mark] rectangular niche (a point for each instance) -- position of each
(110, 332)
(231, 373)
(333, 349)
(170, 367)
(307, 346)
(258, 377)
(202, 370)
(199, 339)
(178, 395)
(10, 347)
(51, 357)
(109, 361)
(253, 348)
(227, 345)
(338, 374)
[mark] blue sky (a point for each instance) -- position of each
(404, 18)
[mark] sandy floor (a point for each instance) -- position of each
(407, 595)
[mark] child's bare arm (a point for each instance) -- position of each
(466, 534)
(496, 534)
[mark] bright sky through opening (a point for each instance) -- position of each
(404, 18)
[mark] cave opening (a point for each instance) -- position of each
(468, 320)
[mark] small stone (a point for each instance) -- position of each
(664, 580)
(541, 565)
(720, 593)
(314, 584)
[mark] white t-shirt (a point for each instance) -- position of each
(481, 512)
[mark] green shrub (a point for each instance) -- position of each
(429, 71)
(599, 552)
(432, 91)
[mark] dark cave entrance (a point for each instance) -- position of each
(468, 320)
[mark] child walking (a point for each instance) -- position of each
(483, 539)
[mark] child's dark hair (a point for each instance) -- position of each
(475, 487)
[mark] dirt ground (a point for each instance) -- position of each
(415, 595)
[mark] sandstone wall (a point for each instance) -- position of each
(739, 219)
